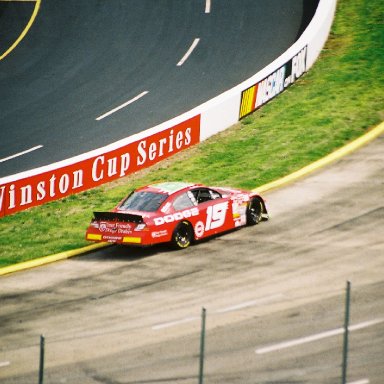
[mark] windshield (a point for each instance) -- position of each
(143, 201)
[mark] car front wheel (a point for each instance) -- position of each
(254, 211)
(182, 235)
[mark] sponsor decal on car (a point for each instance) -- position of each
(111, 238)
(176, 216)
(118, 227)
(239, 211)
(199, 229)
(158, 234)
(166, 207)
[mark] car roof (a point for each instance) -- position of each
(168, 188)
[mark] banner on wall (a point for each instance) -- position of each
(68, 180)
(260, 93)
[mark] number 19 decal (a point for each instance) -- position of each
(216, 216)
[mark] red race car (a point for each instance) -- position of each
(176, 213)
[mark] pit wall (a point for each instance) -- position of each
(55, 181)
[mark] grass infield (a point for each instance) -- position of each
(338, 100)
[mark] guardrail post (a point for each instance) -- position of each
(41, 366)
(346, 333)
(202, 346)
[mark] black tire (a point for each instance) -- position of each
(182, 235)
(254, 211)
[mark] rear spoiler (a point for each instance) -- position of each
(118, 216)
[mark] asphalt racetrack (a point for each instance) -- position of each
(81, 60)
(274, 295)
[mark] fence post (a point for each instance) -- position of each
(346, 333)
(202, 346)
(42, 352)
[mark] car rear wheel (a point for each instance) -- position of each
(182, 235)
(254, 211)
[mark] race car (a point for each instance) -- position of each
(177, 213)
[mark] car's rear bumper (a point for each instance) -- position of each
(140, 238)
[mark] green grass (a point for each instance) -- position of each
(339, 99)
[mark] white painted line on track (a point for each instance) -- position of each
(318, 336)
(236, 307)
(251, 303)
(4, 364)
(188, 53)
(122, 106)
(365, 324)
(173, 323)
(363, 381)
(20, 153)
(208, 6)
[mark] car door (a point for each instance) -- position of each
(215, 212)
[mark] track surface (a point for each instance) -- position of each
(126, 315)
(82, 59)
